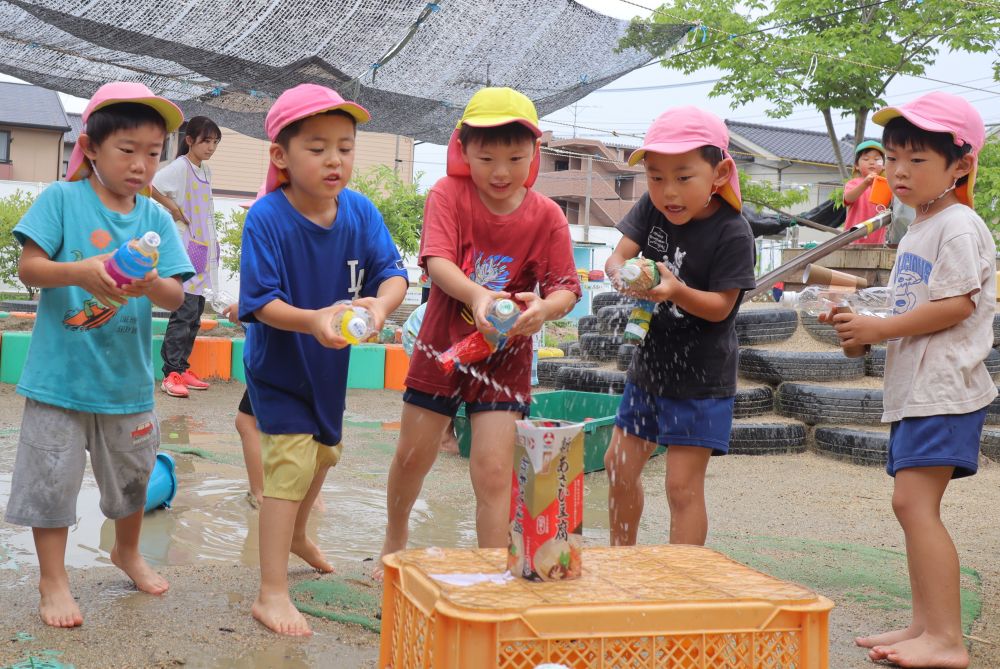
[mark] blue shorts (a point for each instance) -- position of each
(937, 441)
(668, 421)
(448, 406)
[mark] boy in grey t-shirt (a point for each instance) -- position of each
(936, 385)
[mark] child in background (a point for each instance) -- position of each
(308, 242)
(487, 235)
(937, 386)
(411, 328)
(869, 162)
(681, 385)
(88, 378)
(184, 187)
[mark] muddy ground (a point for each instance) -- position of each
(807, 518)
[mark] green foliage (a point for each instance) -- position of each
(764, 195)
(987, 190)
(12, 208)
(401, 205)
(857, 53)
(230, 230)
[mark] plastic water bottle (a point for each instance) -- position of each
(814, 300)
(502, 315)
(219, 299)
(134, 259)
(356, 323)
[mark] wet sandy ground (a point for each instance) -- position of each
(807, 518)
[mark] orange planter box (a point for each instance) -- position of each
(397, 363)
(212, 357)
(207, 324)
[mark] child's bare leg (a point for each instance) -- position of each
(246, 426)
(126, 556)
(934, 567)
(913, 630)
(302, 545)
(490, 466)
(273, 606)
(56, 605)
(419, 437)
(686, 467)
(624, 460)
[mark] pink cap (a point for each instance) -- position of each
(114, 93)
(943, 112)
(295, 104)
(684, 129)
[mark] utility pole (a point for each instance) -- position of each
(586, 202)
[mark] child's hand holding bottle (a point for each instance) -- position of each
(481, 309)
(325, 325)
(532, 317)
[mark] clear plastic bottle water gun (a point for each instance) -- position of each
(355, 324)
(134, 259)
(639, 274)
(502, 314)
(219, 299)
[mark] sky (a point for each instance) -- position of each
(631, 111)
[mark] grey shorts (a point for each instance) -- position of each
(51, 458)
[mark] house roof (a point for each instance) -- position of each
(30, 106)
(75, 128)
(790, 143)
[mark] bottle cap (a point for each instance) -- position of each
(357, 327)
(504, 307)
(150, 240)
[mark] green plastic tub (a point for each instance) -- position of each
(367, 368)
(570, 405)
(13, 355)
(238, 372)
(160, 325)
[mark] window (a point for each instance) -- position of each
(562, 165)
(4, 146)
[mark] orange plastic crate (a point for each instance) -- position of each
(211, 357)
(397, 364)
(645, 607)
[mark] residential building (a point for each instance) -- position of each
(32, 123)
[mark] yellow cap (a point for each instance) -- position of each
(491, 107)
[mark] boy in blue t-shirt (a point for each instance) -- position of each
(88, 378)
(308, 242)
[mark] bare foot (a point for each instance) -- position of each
(136, 568)
(56, 605)
(927, 651)
(311, 553)
(280, 615)
(888, 638)
(389, 546)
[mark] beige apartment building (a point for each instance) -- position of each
(32, 123)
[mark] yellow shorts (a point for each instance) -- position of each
(291, 461)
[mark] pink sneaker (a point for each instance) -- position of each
(192, 381)
(173, 385)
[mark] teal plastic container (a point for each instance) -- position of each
(162, 485)
(568, 405)
(157, 347)
(367, 368)
(237, 370)
(13, 353)
(160, 325)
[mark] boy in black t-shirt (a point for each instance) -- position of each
(682, 382)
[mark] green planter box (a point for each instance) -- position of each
(238, 372)
(157, 357)
(569, 405)
(13, 353)
(160, 325)
(367, 368)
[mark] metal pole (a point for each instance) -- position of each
(586, 202)
(862, 229)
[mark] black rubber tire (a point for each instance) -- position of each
(767, 438)
(779, 366)
(595, 346)
(752, 402)
(564, 347)
(608, 299)
(823, 332)
(27, 306)
(161, 313)
(591, 380)
(996, 329)
(875, 362)
(614, 319)
(574, 350)
(588, 324)
(763, 326)
(625, 352)
(813, 404)
(548, 369)
(993, 411)
(861, 447)
(989, 444)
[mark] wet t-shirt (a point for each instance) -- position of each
(684, 356)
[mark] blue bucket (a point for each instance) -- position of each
(162, 483)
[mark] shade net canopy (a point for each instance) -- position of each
(414, 65)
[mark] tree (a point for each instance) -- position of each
(230, 238)
(835, 56)
(12, 208)
(401, 205)
(987, 190)
(766, 196)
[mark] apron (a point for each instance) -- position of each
(199, 239)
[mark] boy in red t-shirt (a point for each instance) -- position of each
(487, 235)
